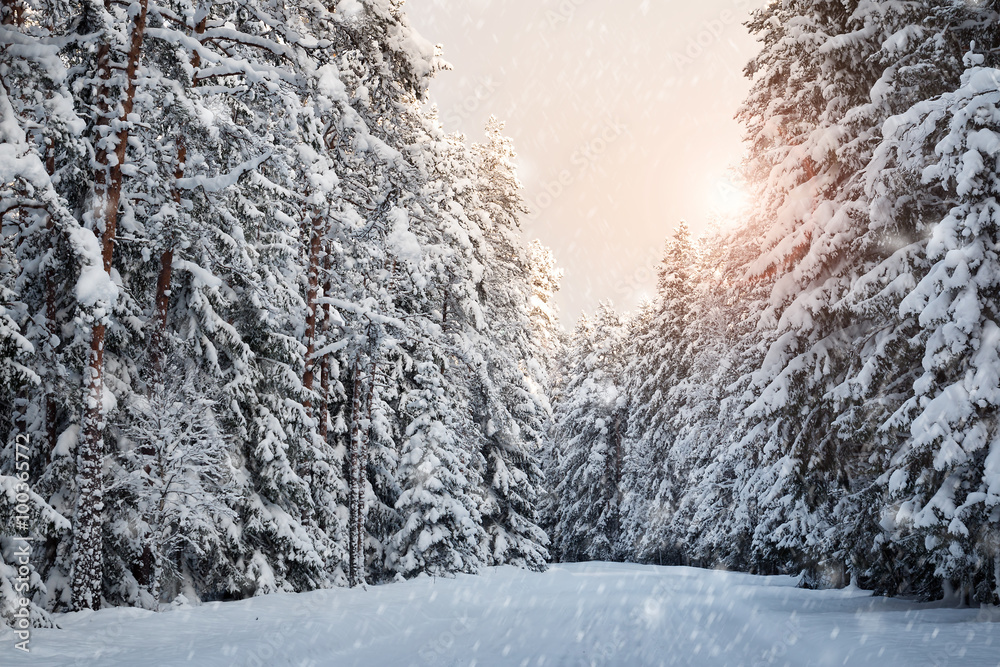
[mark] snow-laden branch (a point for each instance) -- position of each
(220, 183)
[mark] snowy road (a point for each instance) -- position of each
(572, 615)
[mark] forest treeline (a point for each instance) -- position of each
(264, 325)
(816, 388)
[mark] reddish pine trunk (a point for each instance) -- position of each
(199, 30)
(87, 546)
(12, 13)
(312, 296)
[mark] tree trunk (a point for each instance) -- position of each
(324, 372)
(87, 546)
(996, 579)
(356, 493)
(51, 326)
(359, 463)
(12, 13)
(199, 30)
(312, 296)
(158, 342)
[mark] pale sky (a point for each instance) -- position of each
(621, 112)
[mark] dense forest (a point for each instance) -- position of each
(265, 326)
(818, 387)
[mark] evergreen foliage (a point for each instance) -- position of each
(266, 326)
(814, 389)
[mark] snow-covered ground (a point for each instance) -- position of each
(572, 615)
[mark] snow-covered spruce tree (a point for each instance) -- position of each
(439, 507)
(657, 361)
(451, 329)
(827, 74)
(51, 274)
(941, 485)
(510, 411)
(919, 56)
(590, 426)
(915, 63)
(177, 477)
(544, 313)
(438, 529)
(813, 71)
(703, 528)
(826, 362)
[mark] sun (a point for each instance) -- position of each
(727, 198)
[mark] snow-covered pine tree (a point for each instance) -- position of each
(510, 411)
(543, 312)
(724, 352)
(52, 274)
(940, 486)
(813, 72)
(591, 423)
(442, 531)
(828, 72)
(178, 476)
(826, 350)
(657, 361)
(282, 226)
(120, 34)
